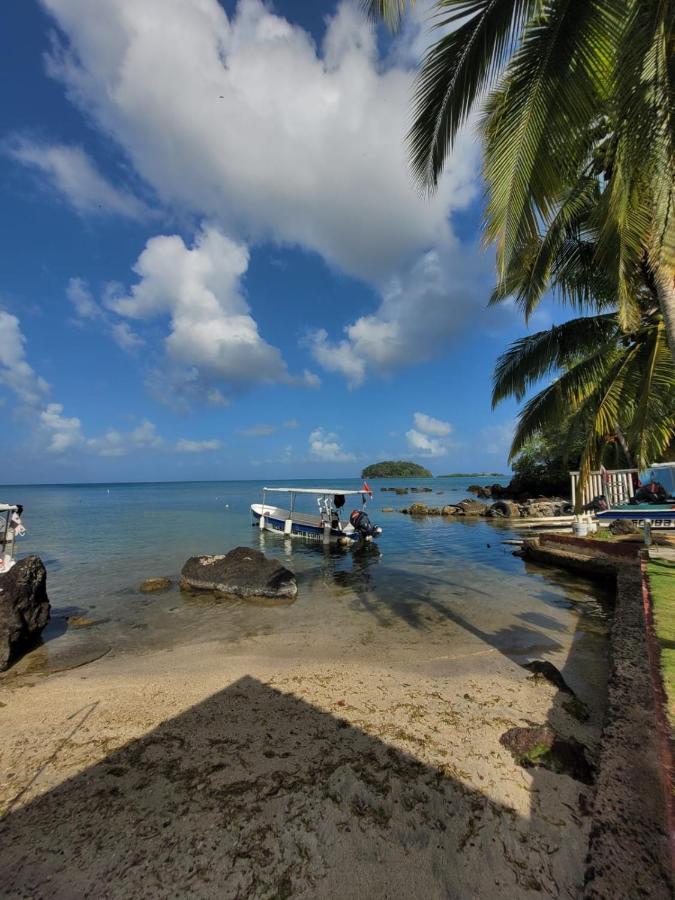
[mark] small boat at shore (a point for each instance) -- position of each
(326, 527)
(650, 500)
(10, 528)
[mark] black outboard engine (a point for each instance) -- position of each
(362, 524)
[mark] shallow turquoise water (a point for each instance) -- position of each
(100, 541)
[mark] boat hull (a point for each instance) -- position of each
(658, 516)
(276, 520)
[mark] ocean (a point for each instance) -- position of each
(99, 541)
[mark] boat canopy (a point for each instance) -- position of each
(7, 507)
(322, 491)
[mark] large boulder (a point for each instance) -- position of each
(242, 573)
(24, 608)
(472, 508)
(504, 509)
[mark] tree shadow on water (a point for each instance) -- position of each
(256, 793)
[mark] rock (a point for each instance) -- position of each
(154, 584)
(474, 488)
(623, 526)
(472, 508)
(504, 509)
(540, 745)
(426, 490)
(387, 509)
(485, 493)
(449, 510)
(418, 509)
(241, 573)
(24, 608)
(401, 490)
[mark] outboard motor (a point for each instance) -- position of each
(362, 524)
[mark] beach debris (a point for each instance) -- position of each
(541, 745)
(150, 585)
(24, 608)
(504, 509)
(242, 572)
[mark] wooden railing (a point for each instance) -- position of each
(615, 484)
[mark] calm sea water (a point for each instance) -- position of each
(100, 541)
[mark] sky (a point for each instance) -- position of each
(216, 264)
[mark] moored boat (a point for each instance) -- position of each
(326, 527)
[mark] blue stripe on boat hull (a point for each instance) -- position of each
(659, 518)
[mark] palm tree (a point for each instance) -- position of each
(609, 386)
(570, 90)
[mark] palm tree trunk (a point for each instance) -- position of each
(623, 443)
(665, 289)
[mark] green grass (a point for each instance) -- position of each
(662, 584)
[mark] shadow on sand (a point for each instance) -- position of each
(255, 793)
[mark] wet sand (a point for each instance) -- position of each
(360, 760)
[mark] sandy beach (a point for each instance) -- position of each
(343, 762)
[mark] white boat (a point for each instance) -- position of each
(10, 528)
(618, 489)
(326, 527)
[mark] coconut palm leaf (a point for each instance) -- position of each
(458, 69)
(531, 358)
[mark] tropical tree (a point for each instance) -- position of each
(577, 108)
(609, 388)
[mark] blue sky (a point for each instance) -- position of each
(215, 262)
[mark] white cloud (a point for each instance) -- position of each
(429, 425)
(87, 309)
(425, 445)
(15, 372)
(426, 437)
(438, 297)
(290, 423)
(187, 446)
(325, 445)
(267, 134)
(62, 433)
(212, 337)
(72, 173)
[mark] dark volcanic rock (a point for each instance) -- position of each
(241, 573)
(24, 608)
(623, 526)
(472, 507)
(542, 746)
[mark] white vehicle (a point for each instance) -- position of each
(10, 527)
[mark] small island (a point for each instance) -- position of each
(396, 468)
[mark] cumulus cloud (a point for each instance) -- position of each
(425, 445)
(70, 171)
(325, 446)
(212, 336)
(438, 297)
(62, 433)
(429, 425)
(187, 446)
(258, 430)
(426, 437)
(268, 135)
(15, 371)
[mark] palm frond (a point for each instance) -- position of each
(531, 358)
(457, 69)
(388, 11)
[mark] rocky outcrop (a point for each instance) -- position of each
(541, 745)
(24, 608)
(242, 572)
(472, 508)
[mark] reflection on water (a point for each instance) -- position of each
(432, 580)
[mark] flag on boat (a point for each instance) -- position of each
(366, 489)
